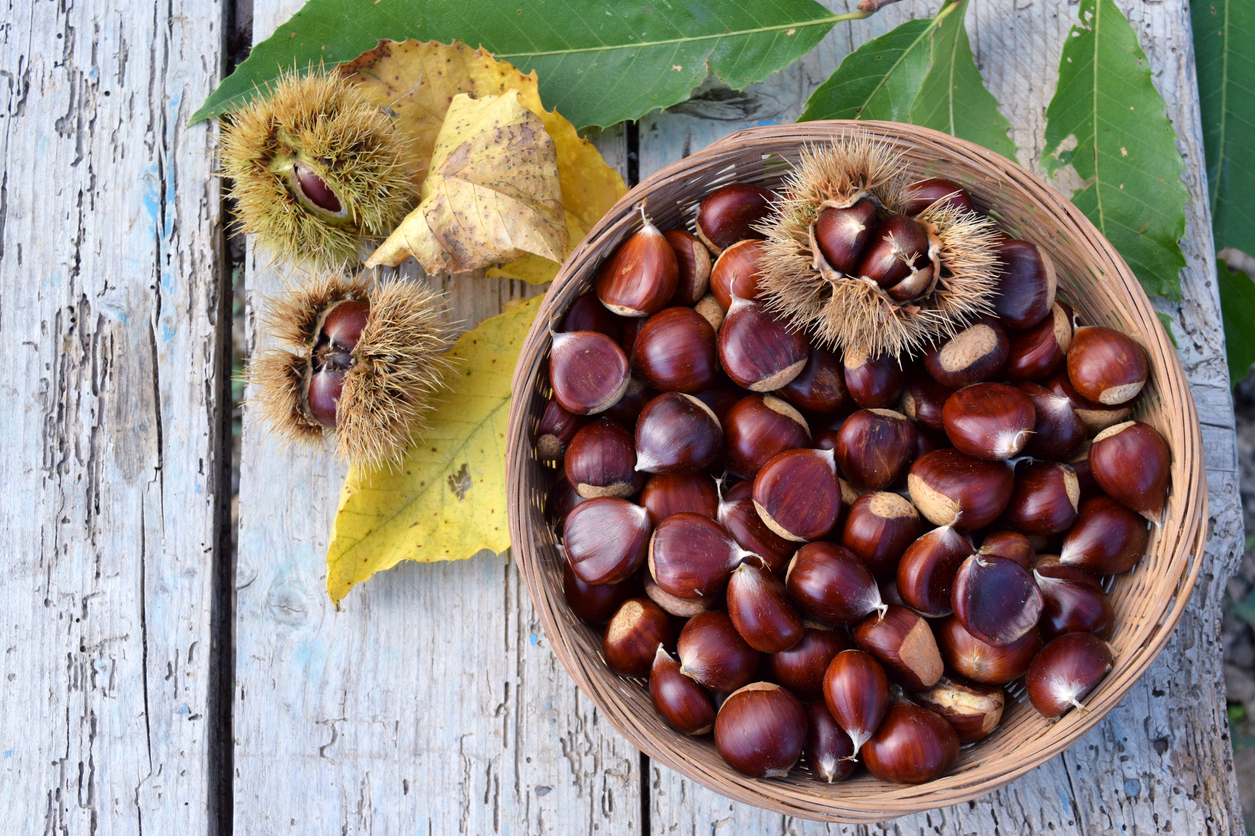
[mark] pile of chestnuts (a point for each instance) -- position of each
(841, 558)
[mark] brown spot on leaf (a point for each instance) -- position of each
(460, 483)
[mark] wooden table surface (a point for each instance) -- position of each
(155, 681)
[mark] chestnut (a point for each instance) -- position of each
(673, 605)
(983, 662)
(1130, 462)
(829, 752)
(606, 539)
(903, 642)
(995, 599)
(856, 691)
(588, 314)
(760, 609)
(1045, 498)
(677, 433)
(588, 371)
(912, 745)
(594, 603)
(713, 653)
(685, 705)
(797, 494)
(832, 586)
(693, 260)
(555, 430)
(633, 636)
(675, 352)
(801, 668)
(878, 528)
(562, 498)
(873, 382)
(842, 233)
(640, 276)
(1009, 544)
(1039, 352)
(972, 708)
(820, 386)
(758, 351)
(730, 213)
(600, 461)
(989, 420)
(919, 196)
(760, 730)
(923, 400)
(720, 398)
(665, 494)
(1095, 416)
(1107, 538)
(1105, 366)
(736, 273)
(926, 572)
(896, 252)
(740, 519)
(874, 447)
(1026, 288)
(691, 556)
(975, 354)
(1065, 671)
(709, 309)
(1058, 431)
(1072, 601)
(951, 488)
(757, 429)
(629, 407)
(631, 330)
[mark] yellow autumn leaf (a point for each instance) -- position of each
(418, 80)
(447, 499)
(491, 194)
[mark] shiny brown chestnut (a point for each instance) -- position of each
(1045, 498)
(760, 730)
(832, 586)
(903, 642)
(713, 653)
(601, 461)
(1065, 671)
(1012, 545)
(757, 429)
(685, 705)
(952, 488)
(736, 273)
(679, 607)
(919, 196)
(665, 494)
(588, 371)
(797, 494)
(897, 248)
(629, 407)
(1039, 352)
(1073, 601)
(740, 518)
(973, 709)
(760, 609)
(975, 354)
(873, 382)
(562, 498)
(631, 330)
(843, 233)
(874, 447)
(829, 751)
(995, 599)
(606, 539)
(640, 276)
(1026, 288)
(801, 668)
(1058, 431)
(758, 351)
(1095, 416)
(983, 662)
(730, 213)
(692, 556)
(913, 745)
(1130, 462)
(1107, 537)
(856, 692)
(633, 636)
(675, 352)
(989, 420)
(677, 433)
(555, 430)
(693, 260)
(594, 603)
(878, 528)
(925, 576)
(588, 314)
(923, 400)
(720, 398)
(820, 386)
(1105, 366)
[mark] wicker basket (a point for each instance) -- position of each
(1093, 278)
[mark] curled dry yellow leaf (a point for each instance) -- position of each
(417, 81)
(446, 500)
(491, 194)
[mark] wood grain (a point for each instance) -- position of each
(1161, 761)
(111, 326)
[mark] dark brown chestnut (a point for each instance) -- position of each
(829, 751)
(562, 498)
(1026, 288)
(740, 519)
(606, 539)
(1073, 601)
(912, 745)
(693, 260)
(878, 528)
(1095, 416)
(923, 400)
(1130, 462)
(926, 572)
(594, 603)
(1105, 366)
(989, 420)
(1107, 538)
(903, 642)
(952, 488)
(630, 406)
(760, 730)
(919, 196)
(873, 382)
(720, 398)
(758, 351)
(1012, 545)
(322, 394)
(832, 586)
(713, 653)
(555, 430)
(856, 692)
(692, 556)
(588, 370)
(760, 609)
(1065, 671)
(874, 447)
(843, 233)
(995, 599)
(801, 668)
(973, 709)
(677, 433)
(1039, 352)
(757, 429)
(983, 662)
(820, 386)
(678, 607)
(631, 330)
(729, 214)
(736, 273)
(665, 494)
(1058, 431)
(675, 352)
(975, 354)
(797, 494)
(897, 249)
(601, 461)
(640, 276)
(588, 314)
(633, 636)
(685, 705)
(1045, 498)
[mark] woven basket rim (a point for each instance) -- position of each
(1180, 543)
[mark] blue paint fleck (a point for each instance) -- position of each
(8, 753)
(1132, 787)
(533, 638)
(183, 709)
(767, 123)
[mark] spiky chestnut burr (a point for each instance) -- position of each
(951, 275)
(359, 360)
(316, 169)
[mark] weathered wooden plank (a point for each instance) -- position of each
(432, 703)
(114, 388)
(1161, 762)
